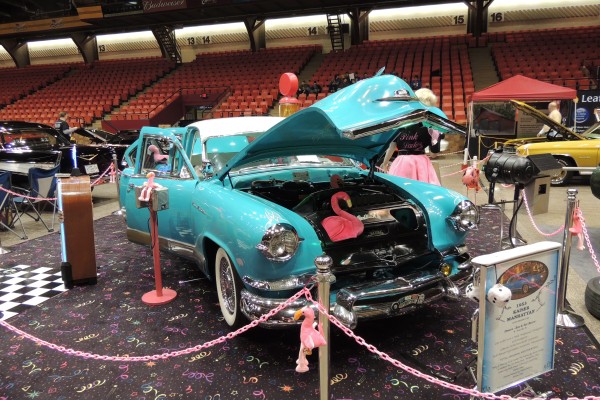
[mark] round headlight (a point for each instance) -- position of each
(465, 216)
(279, 243)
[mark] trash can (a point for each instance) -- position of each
(538, 194)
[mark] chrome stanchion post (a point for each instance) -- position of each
(324, 280)
(567, 318)
(117, 181)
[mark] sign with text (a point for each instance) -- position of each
(585, 110)
(516, 337)
(151, 6)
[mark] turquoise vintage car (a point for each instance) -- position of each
(247, 200)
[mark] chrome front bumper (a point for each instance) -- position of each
(379, 299)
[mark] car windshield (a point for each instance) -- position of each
(29, 139)
(219, 150)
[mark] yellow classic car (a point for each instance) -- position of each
(579, 153)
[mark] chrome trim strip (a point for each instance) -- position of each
(197, 207)
(254, 306)
(410, 118)
(180, 248)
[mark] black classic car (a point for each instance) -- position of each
(24, 145)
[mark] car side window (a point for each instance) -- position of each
(163, 158)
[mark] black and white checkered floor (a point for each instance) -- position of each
(23, 286)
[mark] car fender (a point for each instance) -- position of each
(241, 227)
(438, 203)
(583, 153)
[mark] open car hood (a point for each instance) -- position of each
(543, 118)
(357, 122)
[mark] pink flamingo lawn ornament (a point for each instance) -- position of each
(156, 154)
(471, 178)
(309, 337)
(147, 187)
(343, 225)
(577, 228)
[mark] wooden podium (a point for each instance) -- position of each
(77, 231)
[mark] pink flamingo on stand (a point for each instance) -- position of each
(343, 225)
(148, 187)
(577, 228)
(309, 337)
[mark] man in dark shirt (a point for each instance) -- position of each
(415, 83)
(62, 126)
(315, 88)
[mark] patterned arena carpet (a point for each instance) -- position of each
(108, 319)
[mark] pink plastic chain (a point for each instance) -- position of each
(429, 378)
(460, 171)
(110, 169)
(306, 292)
(588, 241)
(162, 356)
(561, 229)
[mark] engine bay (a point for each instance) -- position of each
(393, 231)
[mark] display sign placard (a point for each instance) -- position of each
(516, 338)
(585, 110)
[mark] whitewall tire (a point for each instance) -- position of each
(229, 287)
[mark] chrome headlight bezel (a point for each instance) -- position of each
(465, 216)
(279, 243)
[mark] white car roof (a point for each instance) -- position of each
(231, 126)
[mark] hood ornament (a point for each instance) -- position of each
(399, 95)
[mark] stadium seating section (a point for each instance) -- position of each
(442, 63)
(247, 83)
(87, 92)
(556, 55)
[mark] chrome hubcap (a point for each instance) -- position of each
(227, 288)
(559, 177)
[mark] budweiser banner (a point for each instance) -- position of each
(151, 6)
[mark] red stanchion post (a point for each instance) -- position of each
(155, 197)
(160, 295)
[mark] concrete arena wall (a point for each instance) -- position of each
(236, 39)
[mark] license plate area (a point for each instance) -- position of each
(91, 169)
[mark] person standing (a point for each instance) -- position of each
(427, 97)
(412, 162)
(62, 126)
(554, 114)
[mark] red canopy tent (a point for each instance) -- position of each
(522, 88)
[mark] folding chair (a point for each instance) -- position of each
(8, 209)
(41, 192)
